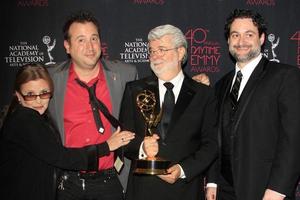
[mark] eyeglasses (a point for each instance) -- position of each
(159, 52)
(32, 97)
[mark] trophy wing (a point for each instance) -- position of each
(158, 118)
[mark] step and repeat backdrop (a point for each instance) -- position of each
(32, 32)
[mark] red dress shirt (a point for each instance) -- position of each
(80, 127)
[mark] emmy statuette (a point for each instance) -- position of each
(146, 102)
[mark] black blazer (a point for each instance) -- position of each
(266, 131)
(31, 150)
(190, 142)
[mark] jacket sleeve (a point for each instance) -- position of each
(30, 132)
(213, 172)
(199, 162)
(127, 118)
(285, 169)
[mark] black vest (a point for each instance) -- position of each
(228, 118)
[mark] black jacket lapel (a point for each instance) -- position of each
(222, 89)
(186, 95)
(249, 89)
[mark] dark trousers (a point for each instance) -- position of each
(76, 186)
(225, 190)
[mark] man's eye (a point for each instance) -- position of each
(95, 39)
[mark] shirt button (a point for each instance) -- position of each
(87, 140)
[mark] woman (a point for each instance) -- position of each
(30, 148)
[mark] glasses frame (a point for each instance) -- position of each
(32, 97)
(160, 52)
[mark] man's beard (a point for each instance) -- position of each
(245, 58)
(167, 66)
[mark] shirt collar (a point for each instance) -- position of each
(175, 81)
(249, 68)
(99, 77)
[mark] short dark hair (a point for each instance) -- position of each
(28, 72)
(81, 16)
(31, 72)
(257, 20)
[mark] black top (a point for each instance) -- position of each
(30, 152)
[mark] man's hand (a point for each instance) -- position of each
(173, 174)
(211, 193)
(119, 138)
(272, 195)
(150, 145)
(202, 78)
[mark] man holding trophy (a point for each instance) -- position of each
(174, 119)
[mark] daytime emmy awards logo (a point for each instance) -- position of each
(273, 44)
(204, 54)
(296, 37)
(47, 41)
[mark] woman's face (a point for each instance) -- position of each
(35, 94)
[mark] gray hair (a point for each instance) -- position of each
(178, 37)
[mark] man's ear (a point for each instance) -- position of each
(262, 39)
(181, 52)
(67, 46)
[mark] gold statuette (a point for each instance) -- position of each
(146, 103)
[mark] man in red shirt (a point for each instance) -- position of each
(80, 84)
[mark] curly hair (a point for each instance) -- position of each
(257, 19)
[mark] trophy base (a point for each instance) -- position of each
(151, 166)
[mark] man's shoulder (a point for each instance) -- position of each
(275, 70)
(56, 68)
(117, 64)
(199, 89)
(283, 66)
(227, 76)
(127, 72)
(143, 82)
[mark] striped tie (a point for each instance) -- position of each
(235, 88)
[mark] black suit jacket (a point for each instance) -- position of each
(266, 131)
(30, 151)
(191, 140)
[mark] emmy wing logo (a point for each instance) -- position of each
(47, 41)
(271, 39)
(274, 42)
